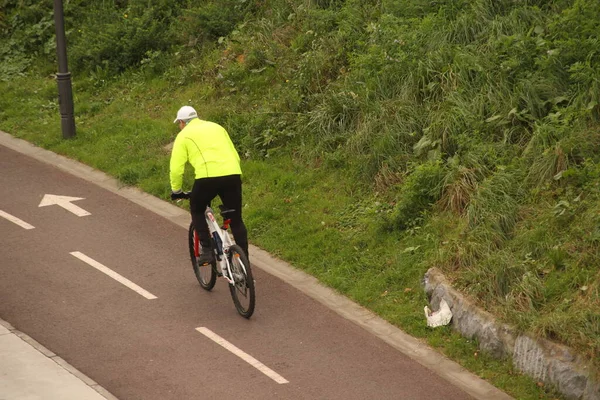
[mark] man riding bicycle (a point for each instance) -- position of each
(210, 151)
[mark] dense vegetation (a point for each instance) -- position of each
(458, 134)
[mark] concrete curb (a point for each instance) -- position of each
(541, 359)
(309, 285)
(59, 361)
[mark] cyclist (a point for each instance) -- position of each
(207, 147)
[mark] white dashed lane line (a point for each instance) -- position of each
(16, 220)
(243, 355)
(113, 274)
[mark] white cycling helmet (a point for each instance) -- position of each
(186, 113)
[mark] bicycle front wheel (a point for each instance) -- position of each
(242, 290)
(206, 274)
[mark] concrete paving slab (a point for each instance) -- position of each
(27, 374)
(3, 331)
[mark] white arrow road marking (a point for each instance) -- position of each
(113, 274)
(64, 202)
(244, 356)
(16, 220)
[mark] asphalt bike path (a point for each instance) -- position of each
(108, 286)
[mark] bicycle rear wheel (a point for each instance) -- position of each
(206, 274)
(242, 290)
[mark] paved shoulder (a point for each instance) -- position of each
(30, 371)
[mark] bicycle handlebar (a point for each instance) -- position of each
(181, 196)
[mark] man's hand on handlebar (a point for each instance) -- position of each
(180, 195)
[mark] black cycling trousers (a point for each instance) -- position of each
(229, 189)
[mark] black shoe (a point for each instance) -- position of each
(206, 256)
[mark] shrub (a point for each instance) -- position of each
(118, 38)
(199, 25)
(27, 32)
(493, 210)
(459, 185)
(419, 191)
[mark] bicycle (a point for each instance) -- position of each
(229, 262)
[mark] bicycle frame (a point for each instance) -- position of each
(231, 258)
(222, 242)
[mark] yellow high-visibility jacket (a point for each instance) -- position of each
(209, 150)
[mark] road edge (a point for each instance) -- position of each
(414, 348)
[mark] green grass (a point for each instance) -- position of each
(388, 136)
(316, 218)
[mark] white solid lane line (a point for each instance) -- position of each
(113, 274)
(241, 354)
(16, 220)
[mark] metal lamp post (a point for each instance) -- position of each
(63, 77)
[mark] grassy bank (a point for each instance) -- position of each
(379, 138)
(318, 219)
